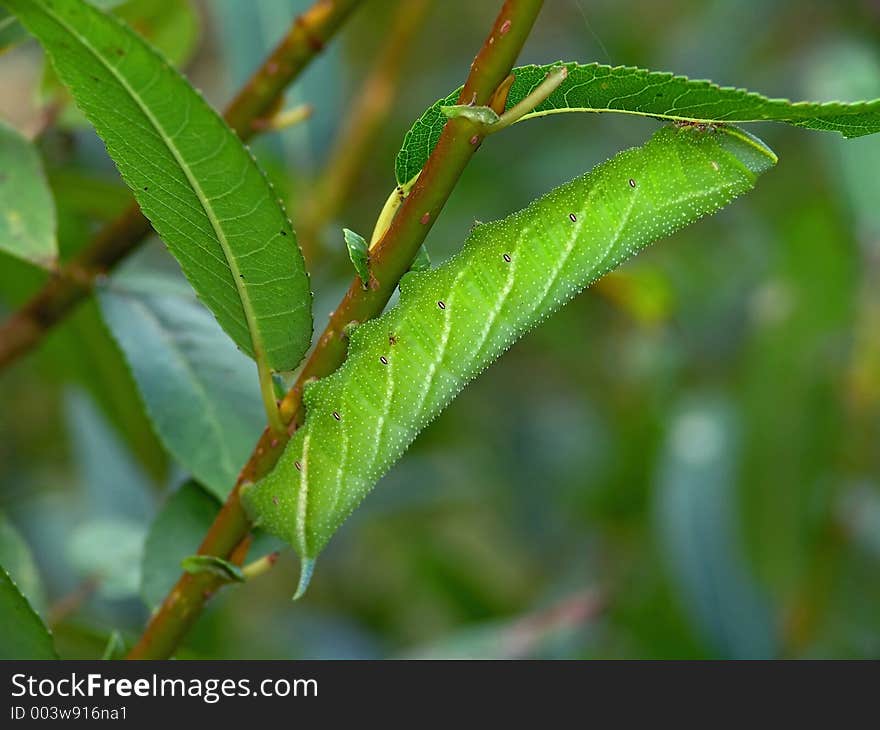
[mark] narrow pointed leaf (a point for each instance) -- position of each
(199, 391)
(451, 322)
(27, 211)
(191, 175)
(23, 636)
(598, 88)
(698, 526)
(358, 253)
(16, 557)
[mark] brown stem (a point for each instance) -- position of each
(259, 98)
(363, 120)
(393, 255)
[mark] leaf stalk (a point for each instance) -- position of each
(270, 402)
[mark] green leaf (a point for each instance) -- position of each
(597, 88)
(16, 557)
(698, 522)
(213, 565)
(175, 533)
(191, 175)
(23, 636)
(27, 210)
(199, 391)
(453, 321)
(359, 254)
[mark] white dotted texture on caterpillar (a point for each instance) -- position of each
(453, 321)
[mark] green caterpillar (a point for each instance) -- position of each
(453, 321)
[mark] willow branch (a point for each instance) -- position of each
(247, 114)
(228, 535)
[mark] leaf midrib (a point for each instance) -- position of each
(651, 115)
(204, 200)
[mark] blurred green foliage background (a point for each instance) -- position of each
(686, 465)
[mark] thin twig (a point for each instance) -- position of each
(267, 392)
(258, 100)
(393, 255)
